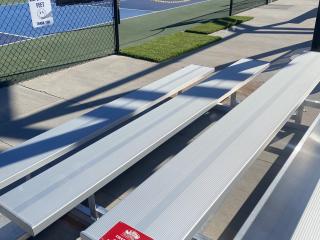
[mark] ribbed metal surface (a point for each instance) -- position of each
(309, 225)
(19, 161)
(290, 207)
(45, 198)
(174, 202)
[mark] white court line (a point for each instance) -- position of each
(135, 9)
(138, 10)
(155, 11)
(52, 34)
(16, 35)
(23, 40)
(87, 5)
(7, 44)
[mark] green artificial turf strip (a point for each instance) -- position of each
(170, 46)
(218, 24)
(241, 19)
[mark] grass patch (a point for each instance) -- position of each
(170, 46)
(218, 24)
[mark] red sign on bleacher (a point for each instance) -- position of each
(122, 231)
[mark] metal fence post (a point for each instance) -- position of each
(316, 33)
(116, 21)
(231, 8)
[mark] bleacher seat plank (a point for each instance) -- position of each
(35, 153)
(42, 200)
(290, 208)
(176, 200)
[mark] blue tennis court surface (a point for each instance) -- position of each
(156, 5)
(13, 17)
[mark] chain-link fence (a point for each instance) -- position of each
(238, 6)
(39, 35)
(166, 16)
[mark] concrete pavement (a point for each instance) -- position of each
(278, 33)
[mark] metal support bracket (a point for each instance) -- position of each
(312, 103)
(307, 103)
(90, 214)
(297, 124)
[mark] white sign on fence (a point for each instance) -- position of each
(41, 13)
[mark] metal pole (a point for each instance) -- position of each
(231, 8)
(116, 22)
(316, 33)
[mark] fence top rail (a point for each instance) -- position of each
(45, 198)
(176, 200)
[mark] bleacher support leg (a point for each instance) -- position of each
(299, 114)
(93, 207)
(233, 100)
